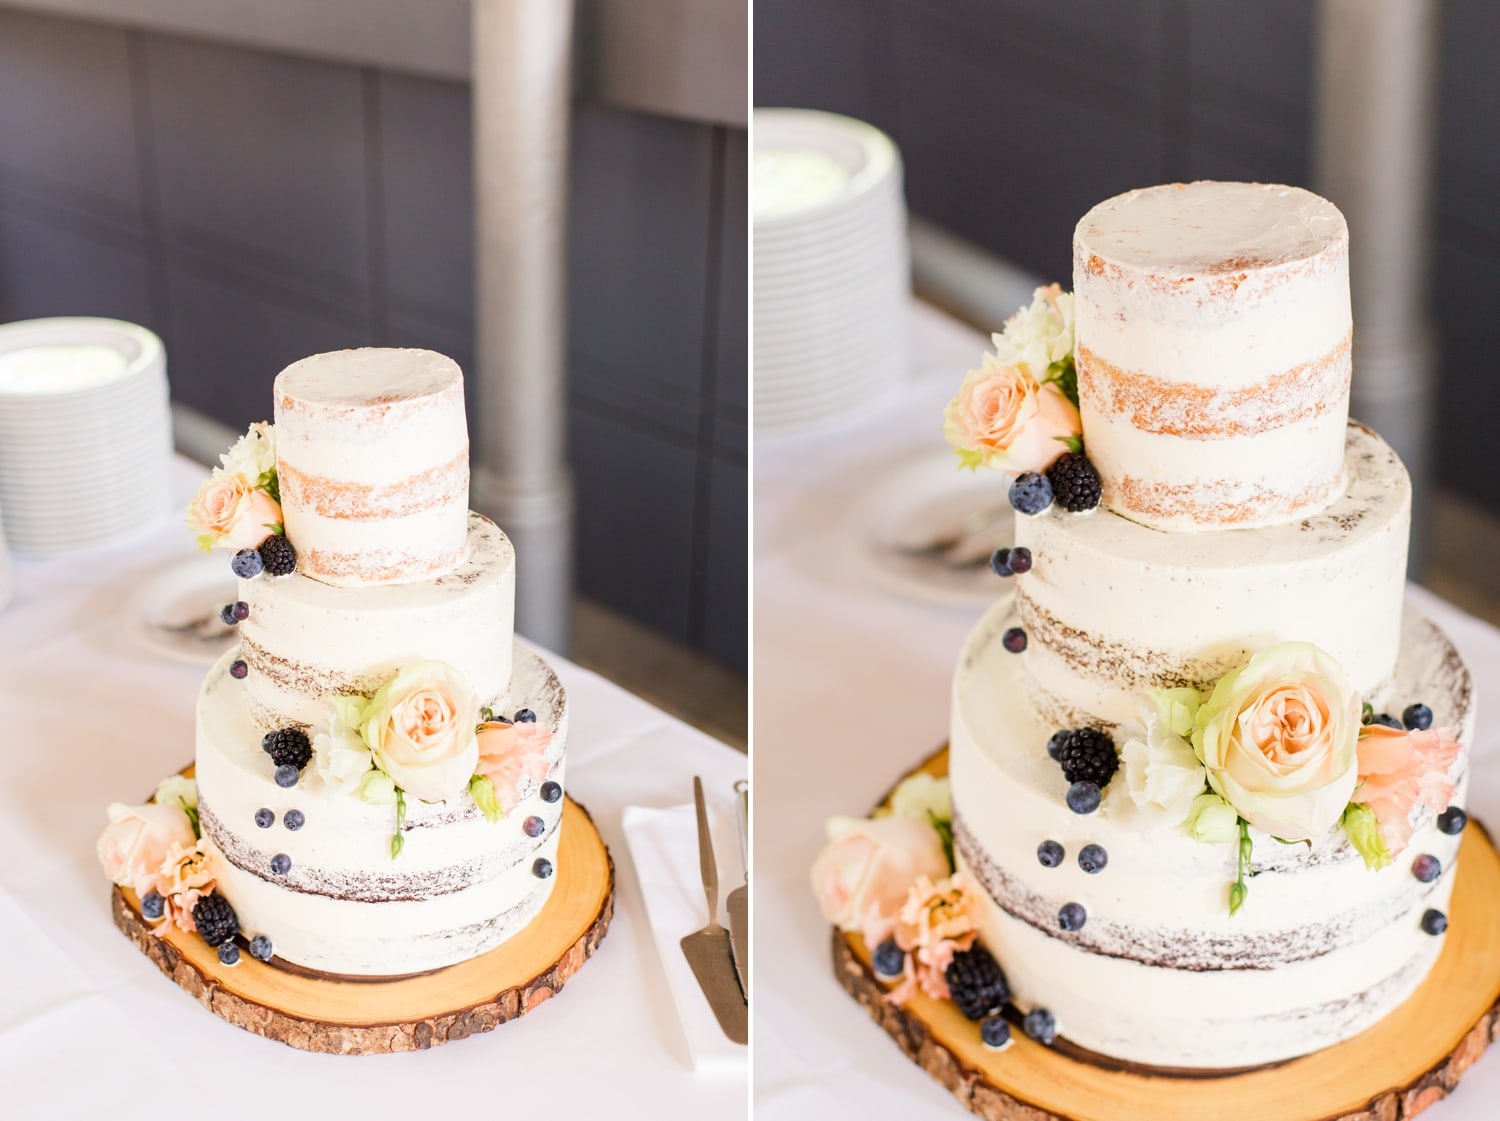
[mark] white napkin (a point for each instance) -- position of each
(664, 847)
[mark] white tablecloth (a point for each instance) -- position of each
(87, 1023)
(851, 688)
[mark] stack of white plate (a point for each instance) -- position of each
(832, 269)
(85, 432)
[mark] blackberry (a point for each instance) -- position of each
(277, 554)
(994, 1033)
(215, 919)
(1075, 483)
(889, 959)
(977, 983)
(1417, 717)
(288, 747)
(1031, 493)
(1040, 1025)
(1088, 755)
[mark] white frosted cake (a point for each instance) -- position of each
(1206, 771)
(379, 769)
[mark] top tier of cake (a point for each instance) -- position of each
(1213, 352)
(373, 462)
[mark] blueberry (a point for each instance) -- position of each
(524, 716)
(1000, 563)
(1020, 559)
(890, 959)
(1426, 868)
(1092, 858)
(229, 954)
(247, 563)
(1434, 922)
(1055, 744)
(551, 792)
(1031, 493)
(542, 868)
(1385, 718)
(1015, 640)
(153, 906)
(281, 864)
(534, 827)
(1452, 821)
(1084, 797)
(238, 669)
(994, 1032)
(1050, 854)
(1040, 1025)
(294, 820)
(226, 615)
(260, 948)
(1071, 916)
(287, 775)
(1417, 717)
(239, 610)
(264, 817)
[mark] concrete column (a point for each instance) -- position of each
(1374, 138)
(522, 94)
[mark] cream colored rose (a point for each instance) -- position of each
(253, 454)
(137, 840)
(1279, 739)
(176, 790)
(228, 512)
(342, 756)
(923, 797)
(420, 728)
(864, 873)
(1002, 418)
(1040, 334)
(1162, 773)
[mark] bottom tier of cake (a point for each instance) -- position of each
(329, 894)
(1160, 973)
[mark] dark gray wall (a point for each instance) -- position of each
(254, 208)
(1016, 116)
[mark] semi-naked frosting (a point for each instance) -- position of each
(460, 886)
(1113, 610)
(1161, 973)
(1213, 336)
(373, 461)
(305, 641)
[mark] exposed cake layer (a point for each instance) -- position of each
(1213, 335)
(1160, 973)
(460, 886)
(1113, 609)
(373, 463)
(305, 641)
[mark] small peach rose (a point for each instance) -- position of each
(420, 728)
(1003, 418)
(865, 871)
(509, 753)
(230, 512)
(1399, 770)
(137, 840)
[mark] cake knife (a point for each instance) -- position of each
(738, 902)
(707, 950)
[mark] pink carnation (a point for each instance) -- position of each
(510, 752)
(938, 919)
(1399, 770)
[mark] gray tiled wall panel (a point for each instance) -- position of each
(49, 268)
(823, 54)
(1468, 182)
(262, 157)
(725, 619)
(632, 488)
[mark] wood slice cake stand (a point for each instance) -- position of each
(353, 1015)
(1392, 1070)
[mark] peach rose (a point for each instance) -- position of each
(510, 752)
(137, 840)
(865, 871)
(420, 728)
(1278, 740)
(1399, 770)
(230, 512)
(1003, 418)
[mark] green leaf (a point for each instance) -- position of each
(1073, 443)
(486, 714)
(968, 457)
(398, 839)
(192, 813)
(206, 542)
(945, 833)
(1065, 373)
(482, 790)
(1367, 713)
(269, 483)
(1363, 831)
(276, 528)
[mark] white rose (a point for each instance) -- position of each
(1162, 773)
(342, 756)
(253, 454)
(1040, 334)
(177, 791)
(924, 798)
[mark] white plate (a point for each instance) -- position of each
(917, 500)
(864, 152)
(175, 614)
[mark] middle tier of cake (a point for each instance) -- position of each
(1113, 609)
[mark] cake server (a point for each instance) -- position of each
(738, 902)
(707, 950)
